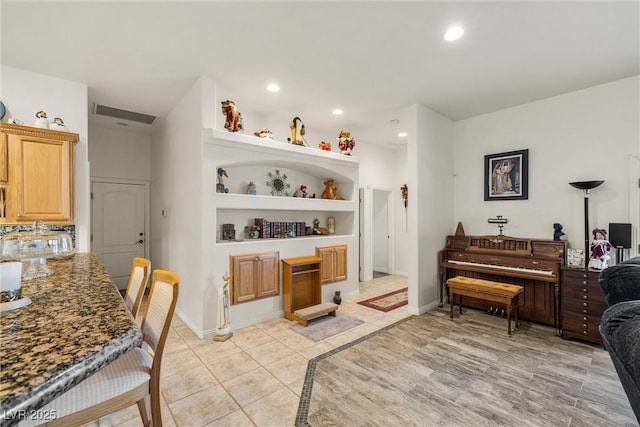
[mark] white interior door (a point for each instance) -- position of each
(118, 226)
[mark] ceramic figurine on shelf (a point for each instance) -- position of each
(331, 225)
(330, 191)
(264, 133)
(251, 188)
(58, 124)
(346, 143)
(557, 231)
(233, 118)
(600, 249)
(324, 146)
(220, 188)
(41, 120)
(223, 324)
(301, 192)
(297, 132)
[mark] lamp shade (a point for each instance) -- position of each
(586, 185)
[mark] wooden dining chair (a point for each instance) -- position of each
(137, 284)
(134, 378)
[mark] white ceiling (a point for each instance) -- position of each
(371, 59)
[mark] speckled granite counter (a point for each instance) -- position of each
(76, 324)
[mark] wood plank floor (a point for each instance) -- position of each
(430, 371)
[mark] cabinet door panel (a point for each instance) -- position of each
(326, 268)
(340, 268)
(268, 275)
(46, 180)
(244, 277)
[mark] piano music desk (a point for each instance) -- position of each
(486, 290)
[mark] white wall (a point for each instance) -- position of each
(24, 93)
(121, 154)
(430, 169)
(176, 173)
(400, 214)
(584, 135)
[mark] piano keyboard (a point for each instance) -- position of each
(503, 267)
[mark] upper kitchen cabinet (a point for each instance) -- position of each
(39, 172)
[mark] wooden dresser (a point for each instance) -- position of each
(582, 304)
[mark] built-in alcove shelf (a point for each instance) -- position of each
(320, 240)
(290, 151)
(245, 201)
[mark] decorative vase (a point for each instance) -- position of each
(337, 298)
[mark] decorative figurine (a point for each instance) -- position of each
(297, 132)
(330, 191)
(41, 120)
(301, 192)
(331, 225)
(317, 230)
(57, 124)
(264, 133)
(557, 231)
(251, 188)
(324, 146)
(233, 118)
(346, 142)
(600, 249)
(220, 188)
(223, 325)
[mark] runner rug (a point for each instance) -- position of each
(387, 302)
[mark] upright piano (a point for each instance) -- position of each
(531, 263)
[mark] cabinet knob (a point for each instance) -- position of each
(584, 304)
(585, 276)
(585, 332)
(257, 259)
(585, 318)
(585, 311)
(585, 297)
(584, 325)
(584, 282)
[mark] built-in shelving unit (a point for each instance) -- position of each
(247, 159)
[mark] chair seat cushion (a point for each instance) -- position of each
(126, 373)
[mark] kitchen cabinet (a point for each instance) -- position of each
(582, 304)
(334, 263)
(255, 276)
(301, 283)
(39, 175)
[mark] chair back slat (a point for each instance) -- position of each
(137, 283)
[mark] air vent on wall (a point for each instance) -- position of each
(103, 110)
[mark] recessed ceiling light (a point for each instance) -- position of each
(273, 87)
(402, 134)
(337, 111)
(453, 33)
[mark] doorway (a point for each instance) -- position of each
(119, 225)
(376, 232)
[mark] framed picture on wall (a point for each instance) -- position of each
(506, 175)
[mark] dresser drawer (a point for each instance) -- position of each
(583, 306)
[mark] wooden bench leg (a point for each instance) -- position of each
(452, 300)
(517, 309)
(460, 305)
(332, 313)
(509, 308)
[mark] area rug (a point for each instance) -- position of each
(387, 302)
(326, 326)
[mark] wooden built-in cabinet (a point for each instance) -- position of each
(255, 276)
(334, 263)
(301, 283)
(582, 304)
(36, 180)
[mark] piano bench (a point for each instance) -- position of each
(486, 290)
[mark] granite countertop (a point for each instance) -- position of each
(76, 324)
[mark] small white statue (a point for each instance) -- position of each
(331, 225)
(57, 124)
(223, 325)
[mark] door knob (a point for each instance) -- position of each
(139, 242)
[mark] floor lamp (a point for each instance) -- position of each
(586, 187)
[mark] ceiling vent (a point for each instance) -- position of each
(103, 110)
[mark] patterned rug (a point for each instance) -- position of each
(387, 302)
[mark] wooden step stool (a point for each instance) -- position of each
(303, 315)
(485, 290)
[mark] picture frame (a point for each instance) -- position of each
(506, 176)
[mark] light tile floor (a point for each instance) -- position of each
(255, 377)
